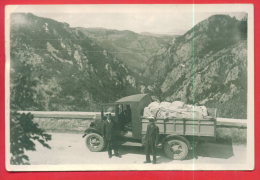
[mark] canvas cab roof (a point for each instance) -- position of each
(132, 98)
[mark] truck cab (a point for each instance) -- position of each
(126, 113)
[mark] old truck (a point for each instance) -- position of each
(177, 136)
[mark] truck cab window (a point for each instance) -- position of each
(128, 118)
(128, 114)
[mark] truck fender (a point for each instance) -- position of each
(182, 138)
(90, 130)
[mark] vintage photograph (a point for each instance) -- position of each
(129, 87)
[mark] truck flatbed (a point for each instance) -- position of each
(184, 127)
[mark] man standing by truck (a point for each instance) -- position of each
(109, 133)
(151, 140)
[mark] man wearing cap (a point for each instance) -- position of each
(151, 140)
(109, 129)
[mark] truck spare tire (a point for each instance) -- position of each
(176, 149)
(95, 142)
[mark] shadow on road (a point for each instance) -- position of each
(221, 150)
(127, 149)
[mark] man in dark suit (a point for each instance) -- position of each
(109, 133)
(151, 140)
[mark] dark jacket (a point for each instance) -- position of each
(152, 135)
(108, 130)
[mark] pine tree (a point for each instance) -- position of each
(23, 131)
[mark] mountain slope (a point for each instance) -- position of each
(207, 65)
(78, 68)
(69, 70)
(131, 48)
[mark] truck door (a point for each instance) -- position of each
(125, 119)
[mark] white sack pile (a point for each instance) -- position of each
(176, 109)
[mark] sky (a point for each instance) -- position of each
(159, 19)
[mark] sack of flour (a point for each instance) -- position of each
(163, 113)
(147, 112)
(153, 105)
(165, 105)
(177, 105)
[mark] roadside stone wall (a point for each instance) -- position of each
(63, 124)
(234, 130)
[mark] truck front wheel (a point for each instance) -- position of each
(176, 149)
(95, 142)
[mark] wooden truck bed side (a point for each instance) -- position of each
(184, 127)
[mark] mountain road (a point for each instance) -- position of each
(70, 148)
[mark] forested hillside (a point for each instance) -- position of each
(75, 69)
(65, 69)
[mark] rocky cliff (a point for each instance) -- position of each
(207, 65)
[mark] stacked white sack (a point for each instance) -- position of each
(177, 104)
(151, 109)
(176, 109)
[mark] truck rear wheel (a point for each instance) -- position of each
(176, 149)
(95, 142)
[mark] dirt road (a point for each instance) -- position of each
(70, 148)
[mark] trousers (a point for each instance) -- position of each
(150, 149)
(112, 145)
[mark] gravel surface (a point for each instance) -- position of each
(69, 148)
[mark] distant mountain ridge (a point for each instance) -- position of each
(130, 48)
